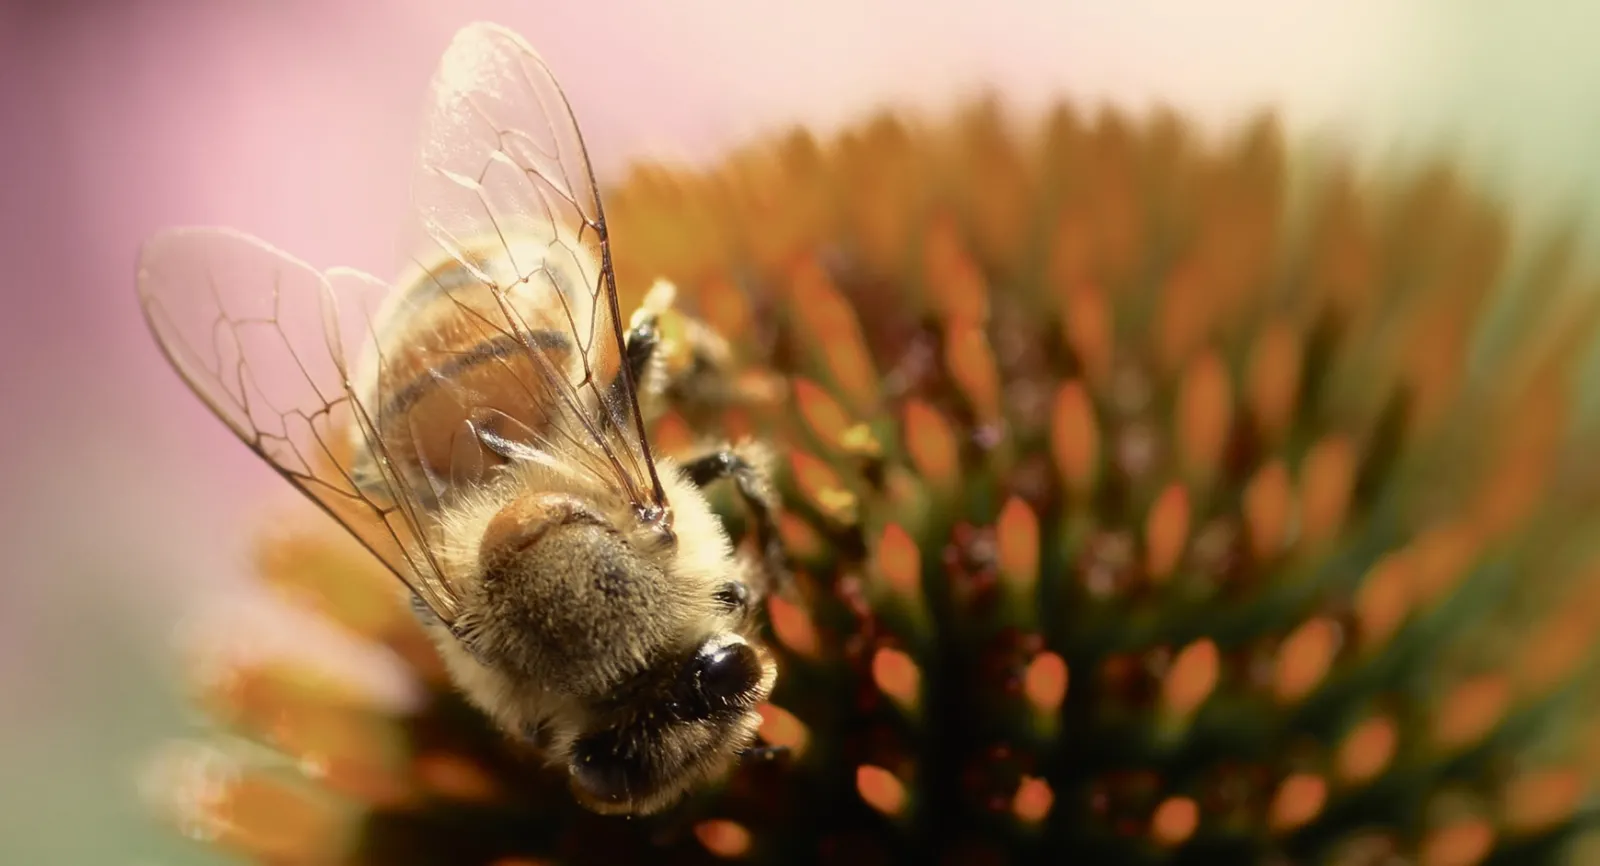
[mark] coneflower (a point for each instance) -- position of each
(1150, 500)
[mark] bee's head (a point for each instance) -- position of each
(647, 638)
(677, 724)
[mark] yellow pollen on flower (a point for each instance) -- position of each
(823, 415)
(832, 325)
(822, 487)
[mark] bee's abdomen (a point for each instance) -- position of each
(452, 362)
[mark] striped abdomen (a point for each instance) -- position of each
(459, 363)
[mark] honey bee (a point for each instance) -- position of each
(478, 426)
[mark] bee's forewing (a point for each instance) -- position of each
(503, 187)
(264, 340)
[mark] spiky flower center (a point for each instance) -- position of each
(1150, 501)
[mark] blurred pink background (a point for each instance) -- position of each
(123, 503)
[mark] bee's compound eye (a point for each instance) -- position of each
(724, 673)
(733, 595)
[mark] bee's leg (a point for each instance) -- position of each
(755, 488)
(422, 612)
(643, 340)
(764, 753)
(675, 359)
(641, 347)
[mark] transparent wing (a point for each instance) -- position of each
(261, 337)
(509, 211)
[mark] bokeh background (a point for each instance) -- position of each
(125, 510)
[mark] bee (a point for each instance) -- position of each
(477, 424)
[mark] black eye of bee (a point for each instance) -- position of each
(717, 677)
(733, 595)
